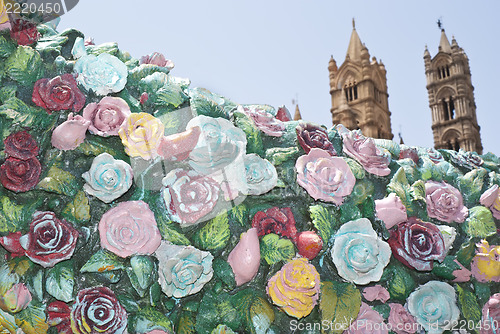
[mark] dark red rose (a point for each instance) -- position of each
(283, 114)
(24, 32)
(59, 93)
(96, 310)
(49, 240)
(58, 314)
(20, 145)
(275, 220)
(407, 152)
(313, 136)
(11, 244)
(417, 244)
(20, 175)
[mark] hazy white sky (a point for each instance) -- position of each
(269, 52)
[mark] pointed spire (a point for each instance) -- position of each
(426, 52)
(297, 116)
(355, 45)
(444, 43)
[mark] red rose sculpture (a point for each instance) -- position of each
(49, 240)
(24, 32)
(417, 244)
(58, 315)
(313, 136)
(20, 175)
(97, 310)
(20, 145)
(59, 93)
(275, 220)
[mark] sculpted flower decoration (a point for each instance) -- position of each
(189, 196)
(107, 116)
(220, 143)
(324, 177)
(295, 288)
(470, 160)
(359, 255)
(58, 93)
(20, 175)
(363, 149)
(264, 121)
(24, 32)
(157, 59)
(104, 74)
(366, 320)
(313, 136)
(491, 199)
(444, 202)
(97, 310)
(183, 270)
(391, 210)
(275, 220)
(16, 298)
(400, 320)
(49, 240)
(141, 135)
(108, 178)
(20, 145)
(128, 229)
(434, 306)
(417, 244)
(71, 133)
(486, 264)
(261, 175)
(491, 315)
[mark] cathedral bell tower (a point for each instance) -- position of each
(359, 91)
(451, 98)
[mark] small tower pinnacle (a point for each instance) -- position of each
(353, 23)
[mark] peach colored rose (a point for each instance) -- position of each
(70, 134)
(377, 292)
(444, 202)
(16, 298)
(368, 321)
(491, 199)
(107, 116)
(400, 321)
(391, 210)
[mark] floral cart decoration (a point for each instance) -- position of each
(131, 202)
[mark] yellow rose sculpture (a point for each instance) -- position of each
(486, 263)
(295, 288)
(141, 135)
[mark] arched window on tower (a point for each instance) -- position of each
(447, 71)
(351, 91)
(446, 115)
(448, 108)
(451, 107)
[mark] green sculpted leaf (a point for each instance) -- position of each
(401, 283)
(149, 319)
(260, 316)
(215, 309)
(324, 221)
(399, 185)
(35, 285)
(170, 94)
(95, 145)
(7, 92)
(59, 181)
(278, 155)
(102, 261)
(222, 329)
(224, 272)
(32, 320)
(168, 232)
(24, 65)
(446, 268)
(339, 305)
(471, 185)
(6, 47)
(469, 306)
(418, 190)
(480, 223)
(349, 212)
(362, 190)
(186, 324)
(7, 323)
(356, 168)
(238, 215)
(273, 249)
(203, 106)
(214, 235)
(78, 210)
(60, 281)
(466, 253)
(141, 273)
(14, 217)
(254, 139)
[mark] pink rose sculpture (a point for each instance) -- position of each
(491, 199)
(107, 116)
(157, 59)
(16, 298)
(391, 210)
(189, 196)
(444, 202)
(376, 292)
(368, 321)
(491, 315)
(264, 121)
(128, 229)
(324, 177)
(363, 149)
(178, 146)
(71, 133)
(400, 320)
(245, 257)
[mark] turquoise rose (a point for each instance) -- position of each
(104, 74)
(434, 306)
(220, 144)
(108, 178)
(261, 175)
(358, 253)
(183, 270)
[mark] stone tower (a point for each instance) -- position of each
(359, 91)
(451, 98)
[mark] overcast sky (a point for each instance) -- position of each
(270, 52)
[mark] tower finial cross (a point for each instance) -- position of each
(440, 23)
(353, 23)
